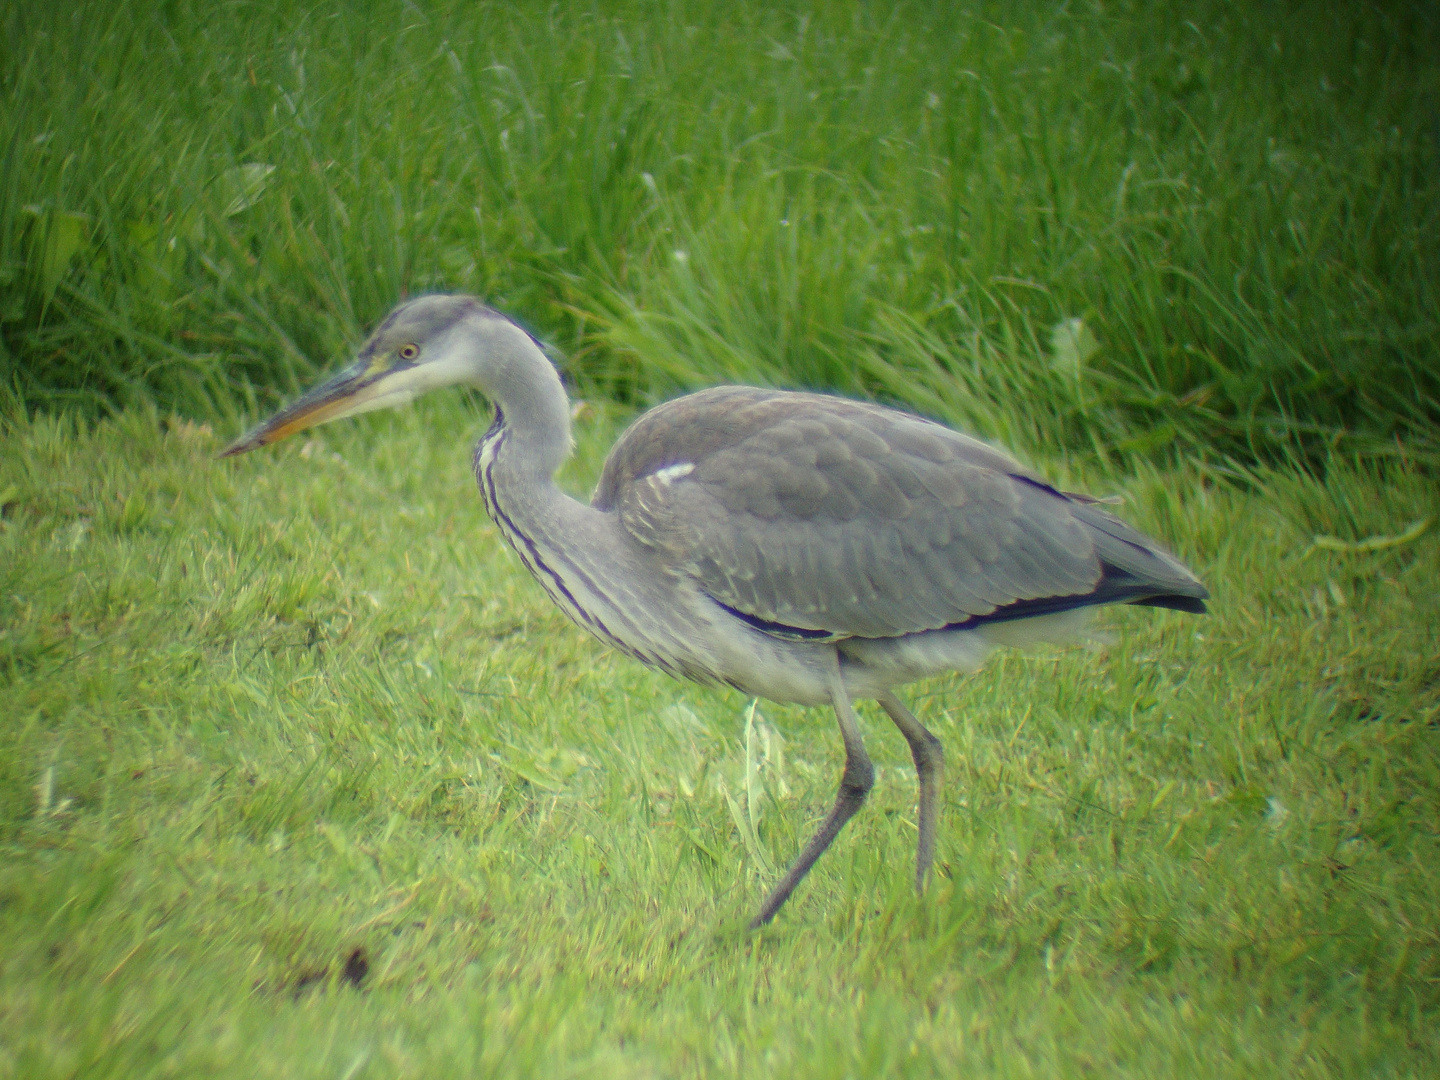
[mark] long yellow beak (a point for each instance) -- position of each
(342, 395)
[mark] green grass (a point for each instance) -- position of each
(265, 716)
(200, 203)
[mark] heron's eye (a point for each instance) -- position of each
(409, 352)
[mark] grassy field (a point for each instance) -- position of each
(302, 776)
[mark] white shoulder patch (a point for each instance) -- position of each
(671, 473)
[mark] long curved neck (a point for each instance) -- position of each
(516, 460)
(577, 553)
(531, 409)
(564, 543)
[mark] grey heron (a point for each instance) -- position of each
(799, 547)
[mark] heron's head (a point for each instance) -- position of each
(424, 344)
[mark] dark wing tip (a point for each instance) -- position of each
(1194, 605)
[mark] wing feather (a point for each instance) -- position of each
(847, 518)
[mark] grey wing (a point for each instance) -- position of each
(833, 517)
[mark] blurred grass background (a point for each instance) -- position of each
(1070, 226)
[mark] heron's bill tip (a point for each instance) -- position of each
(272, 430)
(241, 445)
(329, 401)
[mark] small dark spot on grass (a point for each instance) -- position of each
(357, 966)
(352, 972)
(308, 978)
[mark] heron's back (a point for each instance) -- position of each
(822, 518)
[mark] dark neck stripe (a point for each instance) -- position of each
(529, 552)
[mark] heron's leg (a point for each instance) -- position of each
(855, 783)
(929, 758)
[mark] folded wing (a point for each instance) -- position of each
(837, 518)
